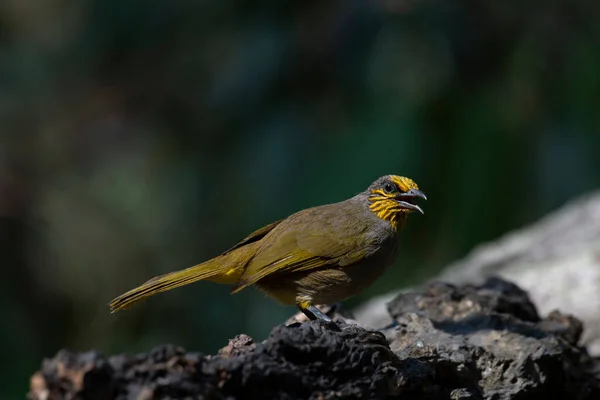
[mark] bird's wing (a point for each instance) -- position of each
(307, 242)
(254, 236)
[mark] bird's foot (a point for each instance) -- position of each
(314, 314)
(331, 325)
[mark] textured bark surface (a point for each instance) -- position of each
(447, 342)
(556, 260)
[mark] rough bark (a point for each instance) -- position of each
(447, 342)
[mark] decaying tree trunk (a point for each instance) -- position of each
(447, 342)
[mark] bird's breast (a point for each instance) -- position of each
(384, 239)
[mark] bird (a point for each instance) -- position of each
(319, 255)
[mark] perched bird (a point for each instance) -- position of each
(320, 255)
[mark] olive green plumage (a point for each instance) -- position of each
(320, 255)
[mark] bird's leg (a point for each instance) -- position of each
(313, 313)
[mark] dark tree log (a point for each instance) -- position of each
(447, 342)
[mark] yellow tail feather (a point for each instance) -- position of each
(165, 282)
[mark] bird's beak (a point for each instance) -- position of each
(405, 200)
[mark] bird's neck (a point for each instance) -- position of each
(398, 221)
(388, 210)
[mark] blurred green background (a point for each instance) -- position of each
(140, 137)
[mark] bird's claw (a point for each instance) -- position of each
(331, 325)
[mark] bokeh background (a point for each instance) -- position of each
(139, 137)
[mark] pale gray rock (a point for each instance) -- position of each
(556, 260)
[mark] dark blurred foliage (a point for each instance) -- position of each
(140, 137)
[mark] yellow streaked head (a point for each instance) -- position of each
(392, 197)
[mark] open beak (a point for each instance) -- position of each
(405, 200)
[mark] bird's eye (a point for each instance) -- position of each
(388, 187)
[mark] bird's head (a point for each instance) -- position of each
(392, 197)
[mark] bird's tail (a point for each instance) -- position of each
(166, 282)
